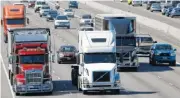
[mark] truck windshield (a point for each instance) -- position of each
(99, 58)
(32, 59)
(125, 41)
(15, 21)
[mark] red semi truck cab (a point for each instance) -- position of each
(30, 57)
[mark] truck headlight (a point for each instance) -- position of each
(19, 83)
(85, 80)
(173, 54)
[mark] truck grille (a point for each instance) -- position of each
(164, 54)
(33, 77)
(101, 76)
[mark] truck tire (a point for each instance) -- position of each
(85, 92)
(17, 94)
(11, 79)
(150, 61)
(173, 63)
(135, 69)
(116, 91)
(49, 93)
(74, 77)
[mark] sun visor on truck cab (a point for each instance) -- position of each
(121, 26)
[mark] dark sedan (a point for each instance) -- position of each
(175, 12)
(66, 53)
(168, 11)
(51, 15)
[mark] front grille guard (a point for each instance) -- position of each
(31, 79)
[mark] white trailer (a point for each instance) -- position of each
(125, 30)
(96, 67)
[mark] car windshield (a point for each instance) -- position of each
(32, 59)
(68, 10)
(164, 47)
(68, 49)
(146, 39)
(157, 5)
(53, 12)
(47, 7)
(99, 58)
(62, 18)
(19, 21)
(73, 2)
(41, 3)
(126, 41)
(86, 16)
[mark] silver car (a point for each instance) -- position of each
(136, 3)
(155, 7)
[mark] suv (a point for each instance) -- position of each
(162, 53)
(144, 43)
(86, 19)
(66, 53)
(44, 10)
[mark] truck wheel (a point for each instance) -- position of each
(47, 19)
(55, 27)
(5, 39)
(68, 27)
(40, 15)
(173, 63)
(85, 92)
(150, 61)
(17, 94)
(11, 79)
(135, 69)
(116, 91)
(74, 77)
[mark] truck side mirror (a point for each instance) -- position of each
(155, 41)
(175, 49)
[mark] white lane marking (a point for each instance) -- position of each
(58, 77)
(6, 73)
(159, 77)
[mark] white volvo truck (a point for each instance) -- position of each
(96, 68)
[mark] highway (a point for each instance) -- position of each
(143, 12)
(149, 82)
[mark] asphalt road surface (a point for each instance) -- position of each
(149, 82)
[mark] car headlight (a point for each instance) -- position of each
(173, 54)
(61, 55)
